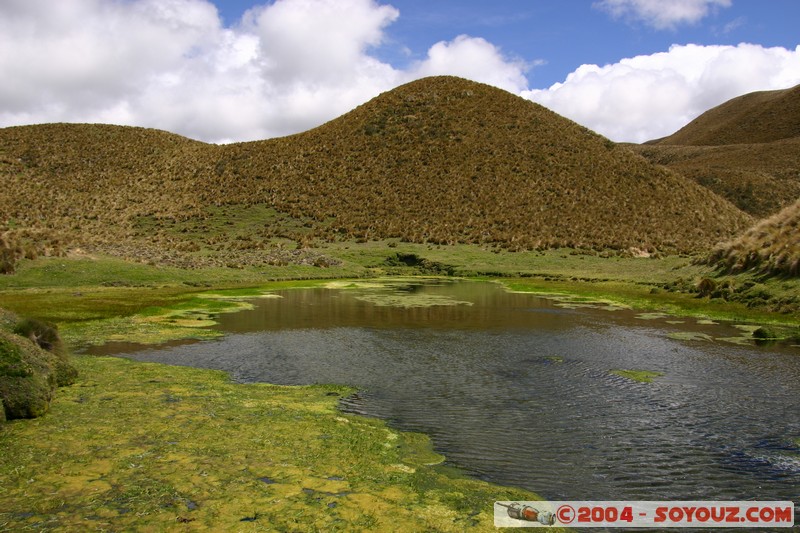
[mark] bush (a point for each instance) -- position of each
(9, 256)
(706, 287)
(43, 334)
(765, 333)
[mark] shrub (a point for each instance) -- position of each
(9, 255)
(45, 335)
(706, 287)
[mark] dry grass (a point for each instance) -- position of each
(772, 246)
(759, 117)
(760, 179)
(438, 161)
(746, 150)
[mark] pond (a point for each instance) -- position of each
(521, 390)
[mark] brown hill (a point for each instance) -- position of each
(440, 160)
(746, 150)
(771, 246)
(447, 160)
(759, 117)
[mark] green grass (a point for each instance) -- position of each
(75, 289)
(157, 448)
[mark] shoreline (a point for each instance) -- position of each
(402, 477)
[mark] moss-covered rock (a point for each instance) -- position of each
(33, 362)
(45, 335)
(27, 377)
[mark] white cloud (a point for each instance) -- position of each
(293, 64)
(287, 66)
(476, 59)
(647, 97)
(661, 14)
(171, 64)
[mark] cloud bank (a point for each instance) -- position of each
(170, 64)
(647, 97)
(290, 65)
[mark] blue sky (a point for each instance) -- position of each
(223, 71)
(560, 35)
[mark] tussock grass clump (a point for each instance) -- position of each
(16, 245)
(771, 247)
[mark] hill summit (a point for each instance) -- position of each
(759, 117)
(439, 160)
(446, 160)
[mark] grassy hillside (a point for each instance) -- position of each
(759, 117)
(760, 179)
(444, 160)
(440, 160)
(85, 185)
(772, 246)
(746, 150)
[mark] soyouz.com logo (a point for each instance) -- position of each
(657, 514)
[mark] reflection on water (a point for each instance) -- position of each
(517, 390)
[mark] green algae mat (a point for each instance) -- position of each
(150, 447)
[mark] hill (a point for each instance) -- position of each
(440, 160)
(445, 160)
(772, 246)
(746, 150)
(759, 117)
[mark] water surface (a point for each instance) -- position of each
(517, 389)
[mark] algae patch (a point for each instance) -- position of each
(642, 376)
(690, 336)
(191, 319)
(409, 300)
(151, 447)
(396, 292)
(651, 316)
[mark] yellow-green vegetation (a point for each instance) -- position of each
(642, 376)
(746, 150)
(158, 448)
(390, 292)
(189, 319)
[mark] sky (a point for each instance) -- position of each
(238, 70)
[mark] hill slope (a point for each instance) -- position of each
(759, 117)
(771, 246)
(447, 160)
(746, 150)
(439, 160)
